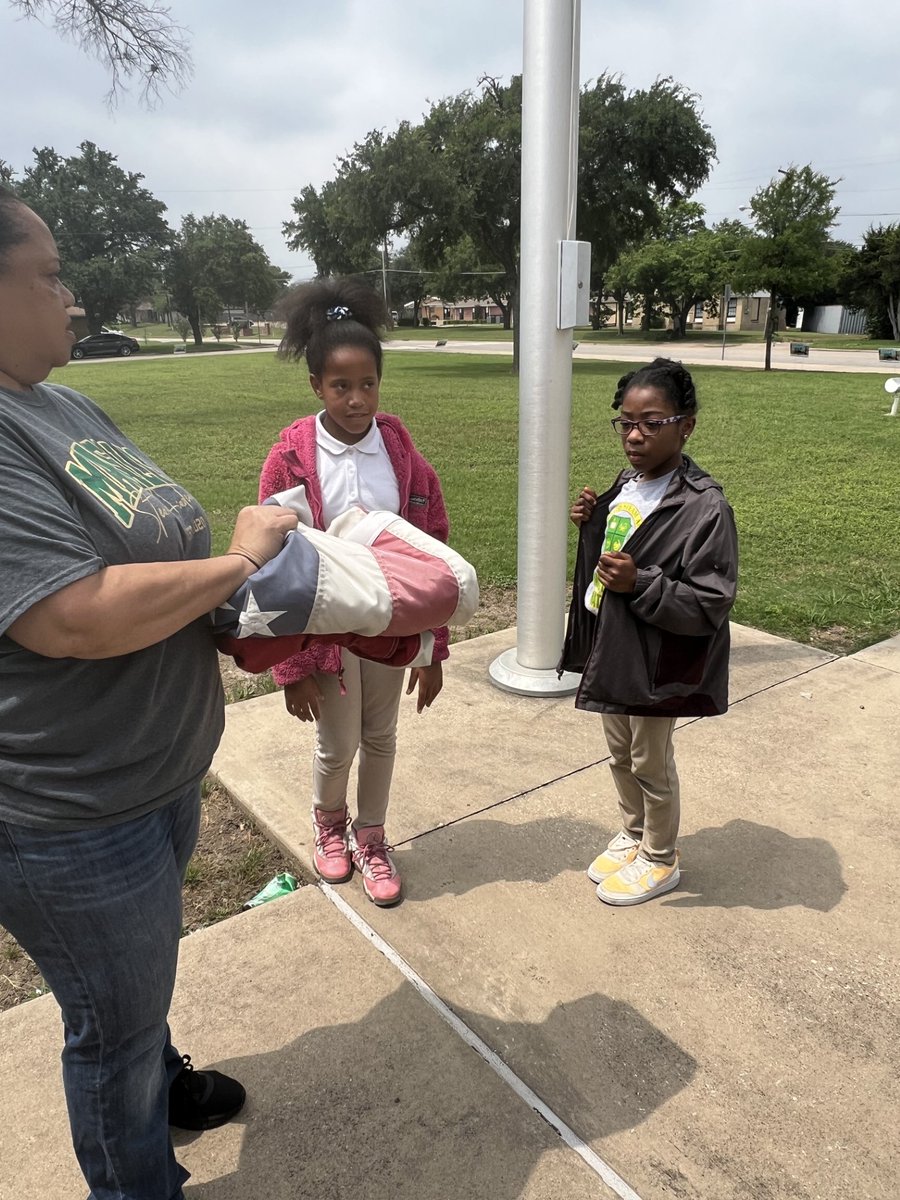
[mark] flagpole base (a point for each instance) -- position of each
(509, 675)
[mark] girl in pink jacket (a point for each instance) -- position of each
(350, 454)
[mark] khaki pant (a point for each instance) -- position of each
(363, 719)
(643, 770)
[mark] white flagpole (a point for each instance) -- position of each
(550, 98)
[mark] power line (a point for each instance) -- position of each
(426, 271)
(223, 190)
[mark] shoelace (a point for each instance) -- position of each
(186, 1079)
(375, 858)
(331, 839)
(639, 867)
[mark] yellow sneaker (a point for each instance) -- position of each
(639, 880)
(621, 850)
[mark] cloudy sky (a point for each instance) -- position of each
(280, 91)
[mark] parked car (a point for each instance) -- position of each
(105, 343)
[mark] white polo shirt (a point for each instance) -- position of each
(360, 474)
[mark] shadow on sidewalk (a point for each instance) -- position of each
(460, 857)
(383, 1108)
(745, 865)
(738, 865)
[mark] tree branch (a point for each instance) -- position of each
(136, 40)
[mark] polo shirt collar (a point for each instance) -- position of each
(370, 444)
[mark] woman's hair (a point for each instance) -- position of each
(667, 375)
(320, 317)
(12, 229)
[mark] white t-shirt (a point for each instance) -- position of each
(631, 507)
(359, 474)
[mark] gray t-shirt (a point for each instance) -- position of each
(106, 740)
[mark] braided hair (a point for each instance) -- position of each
(321, 316)
(667, 375)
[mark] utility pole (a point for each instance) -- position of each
(726, 303)
(384, 281)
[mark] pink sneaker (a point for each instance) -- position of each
(331, 857)
(381, 882)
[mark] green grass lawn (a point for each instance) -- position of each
(808, 460)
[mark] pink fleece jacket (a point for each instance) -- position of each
(292, 460)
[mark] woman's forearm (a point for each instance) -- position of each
(126, 608)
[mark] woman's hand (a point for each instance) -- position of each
(303, 699)
(430, 681)
(260, 530)
(583, 506)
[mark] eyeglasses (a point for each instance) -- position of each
(647, 428)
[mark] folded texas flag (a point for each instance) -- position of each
(372, 582)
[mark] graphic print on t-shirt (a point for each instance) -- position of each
(127, 484)
(623, 520)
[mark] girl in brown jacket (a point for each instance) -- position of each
(648, 627)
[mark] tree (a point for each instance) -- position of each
(367, 198)
(683, 265)
(322, 228)
(636, 272)
(132, 39)
(836, 255)
(110, 230)
(215, 263)
(673, 267)
(348, 226)
(410, 281)
(640, 154)
(699, 264)
(871, 279)
(452, 183)
(788, 255)
(467, 219)
(462, 275)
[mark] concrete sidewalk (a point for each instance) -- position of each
(744, 355)
(735, 1039)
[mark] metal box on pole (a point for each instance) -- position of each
(574, 299)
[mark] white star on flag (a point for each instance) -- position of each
(254, 622)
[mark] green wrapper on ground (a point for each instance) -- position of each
(281, 885)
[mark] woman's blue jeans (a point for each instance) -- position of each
(99, 911)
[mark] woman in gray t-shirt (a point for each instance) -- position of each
(110, 711)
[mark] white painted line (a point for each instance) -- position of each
(610, 1177)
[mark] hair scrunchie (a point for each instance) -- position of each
(339, 312)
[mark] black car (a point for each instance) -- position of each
(105, 343)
